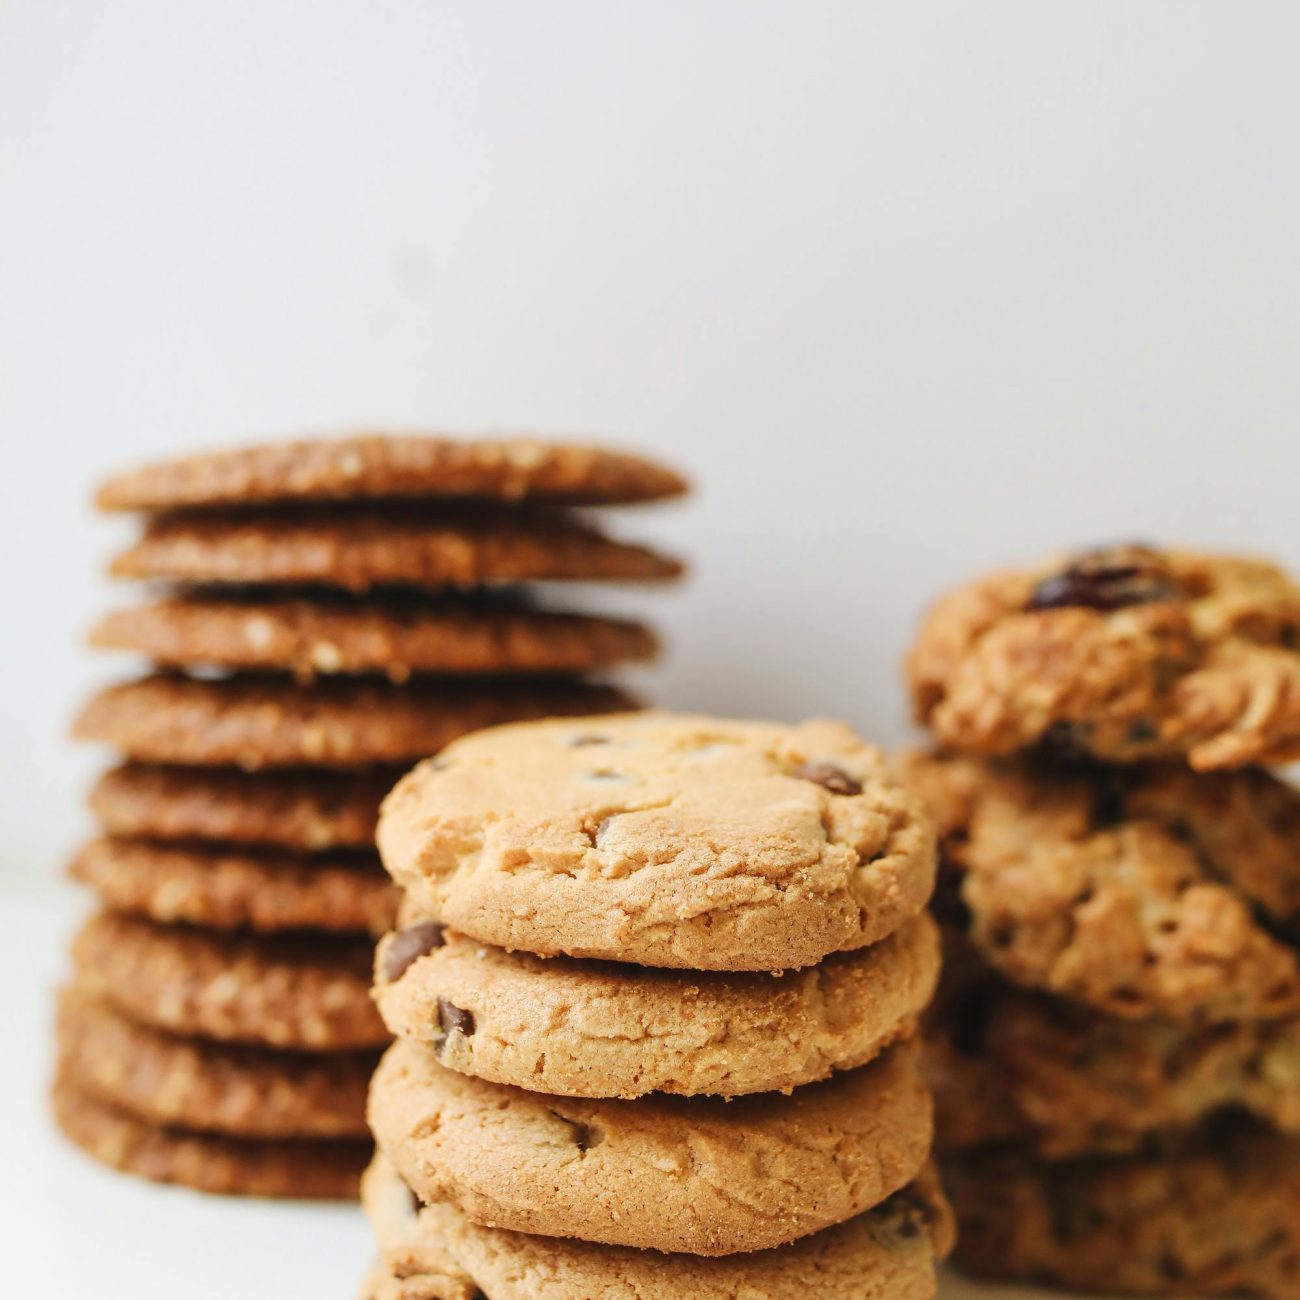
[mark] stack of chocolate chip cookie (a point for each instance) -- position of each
(333, 611)
(1117, 1046)
(654, 998)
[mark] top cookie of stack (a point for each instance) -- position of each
(339, 608)
(1122, 896)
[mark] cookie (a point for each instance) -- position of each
(230, 889)
(305, 810)
(376, 466)
(306, 1169)
(662, 840)
(295, 991)
(358, 548)
(1140, 893)
(211, 1087)
(256, 722)
(435, 1252)
(700, 1175)
(391, 635)
(1125, 653)
(594, 1029)
(1221, 1217)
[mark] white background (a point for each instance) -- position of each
(911, 289)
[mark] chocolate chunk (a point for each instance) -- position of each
(1106, 580)
(835, 779)
(451, 1018)
(408, 945)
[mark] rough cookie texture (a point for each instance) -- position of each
(256, 722)
(305, 810)
(1126, 653)
(228, 889)
(1141, 893)
(1221, 1217)
(427, 1251)
(391, 635)
(318, 1170)
(213, 1087)
(374, 466)
(700, 1175)
(596, 1029)
(662, 840)
(283, 991)
(359, 548)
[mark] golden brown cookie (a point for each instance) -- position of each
(1125, 653)
(256, 722)
(663, 840)
(310, 992)
(305, 810)
(700, 1175)
(434, 1252)
(375, 466)
(392, 636)
(302, 1168)
(359, 548)
(598, 1029)
(1143, 892)
(192, 1083)
(1219, 1217)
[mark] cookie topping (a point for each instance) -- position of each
(452, 1018)
(408, 945)
(1106, 580)
(835, 779)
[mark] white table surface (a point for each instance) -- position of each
(75, 1229)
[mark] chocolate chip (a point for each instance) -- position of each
(452, 1018)
(586, 1136)
(835, 779)
(406, 946)
(1106, 580)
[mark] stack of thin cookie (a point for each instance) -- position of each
(654, 998)
(333, 611)
(1116, 1050)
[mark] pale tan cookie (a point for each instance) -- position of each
(266, 721)
(1221, 1217)
(230, 889)
(210, 1087)
(1143, 892)
(663, 840)
(359, 548)
(597, 1029)
(1125, 653)
(374, 466)
(701, 1175)
(306, 810)
(391, 635)
(427, 1252)
(302, 1168)
(294, 991)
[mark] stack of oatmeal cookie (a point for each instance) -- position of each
(1116, 1050)
(654, 997)
(333, 611)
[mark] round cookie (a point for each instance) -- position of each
(1221, 1217)
(228, 889)
(1142, 892)
(256, 722)
(305, 1169)
(700, 1175)
(662, 840)
(434, 1252)
(292, 991)
(211, 1087)
(359, 548)
(390, 635)
(1125, 653)
(377, 466)
(305, 810)
(594, 1029)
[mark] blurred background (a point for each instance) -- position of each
(911, 290)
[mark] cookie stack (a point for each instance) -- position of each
(334, 611)
(1117, 1047)
(654, 999)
